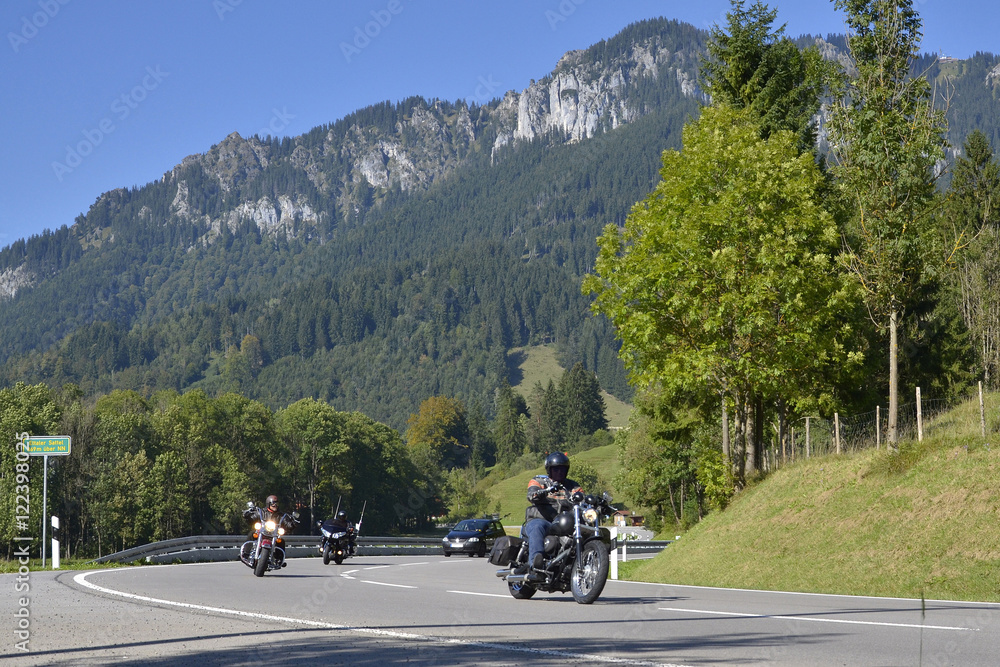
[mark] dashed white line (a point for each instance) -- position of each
(818, 620)
(382, 583)
(488, 595)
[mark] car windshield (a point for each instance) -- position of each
(470, 524)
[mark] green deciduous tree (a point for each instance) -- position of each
(438, 435)
(312, 431)
(886, 138)
(724, 277)
(27, 409)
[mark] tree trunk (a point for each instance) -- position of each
(726, 459)
(891, 435)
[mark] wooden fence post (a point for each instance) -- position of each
(836, 429)
(807, 437)
(982, 411)
(920, 421)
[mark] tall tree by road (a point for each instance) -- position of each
(724, 275)
(886, 138)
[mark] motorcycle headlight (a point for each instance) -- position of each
(590, 516)
(256, 526)
(281, 531)
(270, 526)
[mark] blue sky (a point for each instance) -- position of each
(107, 93)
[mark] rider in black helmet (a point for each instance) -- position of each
(548, 494)
(341, 522)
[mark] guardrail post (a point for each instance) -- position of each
(614, 553)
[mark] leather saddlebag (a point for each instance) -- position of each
(505, 550)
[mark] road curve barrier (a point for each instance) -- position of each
(212, 548)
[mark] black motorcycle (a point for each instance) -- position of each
(265, 550)
(576, 556)
(336, 544)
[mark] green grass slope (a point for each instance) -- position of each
(511, 493)
(538, 364)
(924, 521)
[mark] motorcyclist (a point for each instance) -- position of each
(341, 523)
(271, 511)
(549, 494)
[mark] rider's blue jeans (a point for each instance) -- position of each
(535, 531)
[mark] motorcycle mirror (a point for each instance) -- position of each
(295, 515)
(607, 497)
(249, 504)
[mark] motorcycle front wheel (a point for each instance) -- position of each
(339, 558)
(261, 567)
(590, 573)
(326, 555)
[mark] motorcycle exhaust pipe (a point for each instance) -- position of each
(503, 573)
(517, 578)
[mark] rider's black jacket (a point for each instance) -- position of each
(548, 505)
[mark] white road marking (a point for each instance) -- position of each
(405, 564)
(819, 620)
(81, 579)
(382, 583)
(347, 575)
(377, 567)
(489, 595)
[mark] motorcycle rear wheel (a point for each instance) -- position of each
(590, 573)
(261, 566)
(521, 591)
(326, 555)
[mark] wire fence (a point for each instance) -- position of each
(924, 417)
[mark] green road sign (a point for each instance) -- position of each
(47, 445)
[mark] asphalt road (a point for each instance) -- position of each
(436, 611)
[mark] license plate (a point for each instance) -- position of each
(265, 542)
(457, 545)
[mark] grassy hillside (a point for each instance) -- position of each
(511, 492)
(924, 521)
(538, 364)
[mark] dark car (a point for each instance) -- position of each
(472, 536)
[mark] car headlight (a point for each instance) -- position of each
(256, 526)
(269, 526)
(445, 539)
(590, 516)
(473, 539)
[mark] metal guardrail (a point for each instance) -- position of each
(209, 548)
(226, 547)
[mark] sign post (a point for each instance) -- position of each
(46, 446)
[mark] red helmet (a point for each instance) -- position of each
(272, 503)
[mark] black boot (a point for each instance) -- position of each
(536, 566)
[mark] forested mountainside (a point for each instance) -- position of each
(395, 254)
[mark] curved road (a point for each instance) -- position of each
(436, 611)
